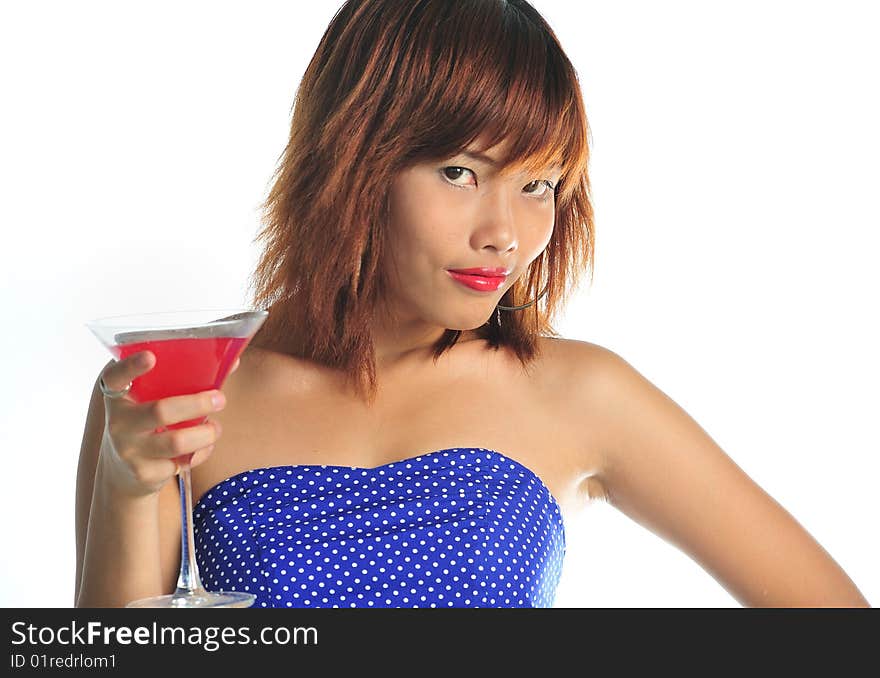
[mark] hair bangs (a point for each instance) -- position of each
(517, 87)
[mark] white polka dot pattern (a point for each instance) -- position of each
(460, 527)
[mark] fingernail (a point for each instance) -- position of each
(218, 400)
(143, 360)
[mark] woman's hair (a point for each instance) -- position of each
(393, 84)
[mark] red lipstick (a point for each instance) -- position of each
(480, 279)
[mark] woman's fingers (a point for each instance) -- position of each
(162, 413)
(200, 456)
(144, 452)
(122, 372)
(178, 442)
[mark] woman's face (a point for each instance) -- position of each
(461, 213)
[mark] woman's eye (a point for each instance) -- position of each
(454, 170)
(452, 173)
(541, 183)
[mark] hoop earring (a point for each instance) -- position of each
(517, 308)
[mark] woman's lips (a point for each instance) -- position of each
(481, 283)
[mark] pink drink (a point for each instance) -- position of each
(183, 366)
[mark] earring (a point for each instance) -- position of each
(517, 308)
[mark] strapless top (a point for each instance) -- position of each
(459, 527)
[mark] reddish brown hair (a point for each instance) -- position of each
(393, 84)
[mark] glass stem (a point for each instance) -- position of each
(188, 583)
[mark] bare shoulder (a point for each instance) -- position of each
(607, 393)
(583, 368)
(583, 371)
(619, 417)
(267, 373)
(566, 355)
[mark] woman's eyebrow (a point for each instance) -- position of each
(487, 160)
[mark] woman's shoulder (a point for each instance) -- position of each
(579, 375)
(589, 373)
(270, 369)
(573, 361)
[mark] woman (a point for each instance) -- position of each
(407, 429)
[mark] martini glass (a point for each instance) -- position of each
(195, 351)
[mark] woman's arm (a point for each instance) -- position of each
(121, 553)
(664, 471)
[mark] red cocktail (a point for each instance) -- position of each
(183, 366)
(195, 350)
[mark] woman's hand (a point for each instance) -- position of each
(137, 459)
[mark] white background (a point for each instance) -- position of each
(735, 172)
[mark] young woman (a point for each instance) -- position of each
(407, 428)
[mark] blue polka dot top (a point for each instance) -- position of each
(459, 527)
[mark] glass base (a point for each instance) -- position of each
(199, 599)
